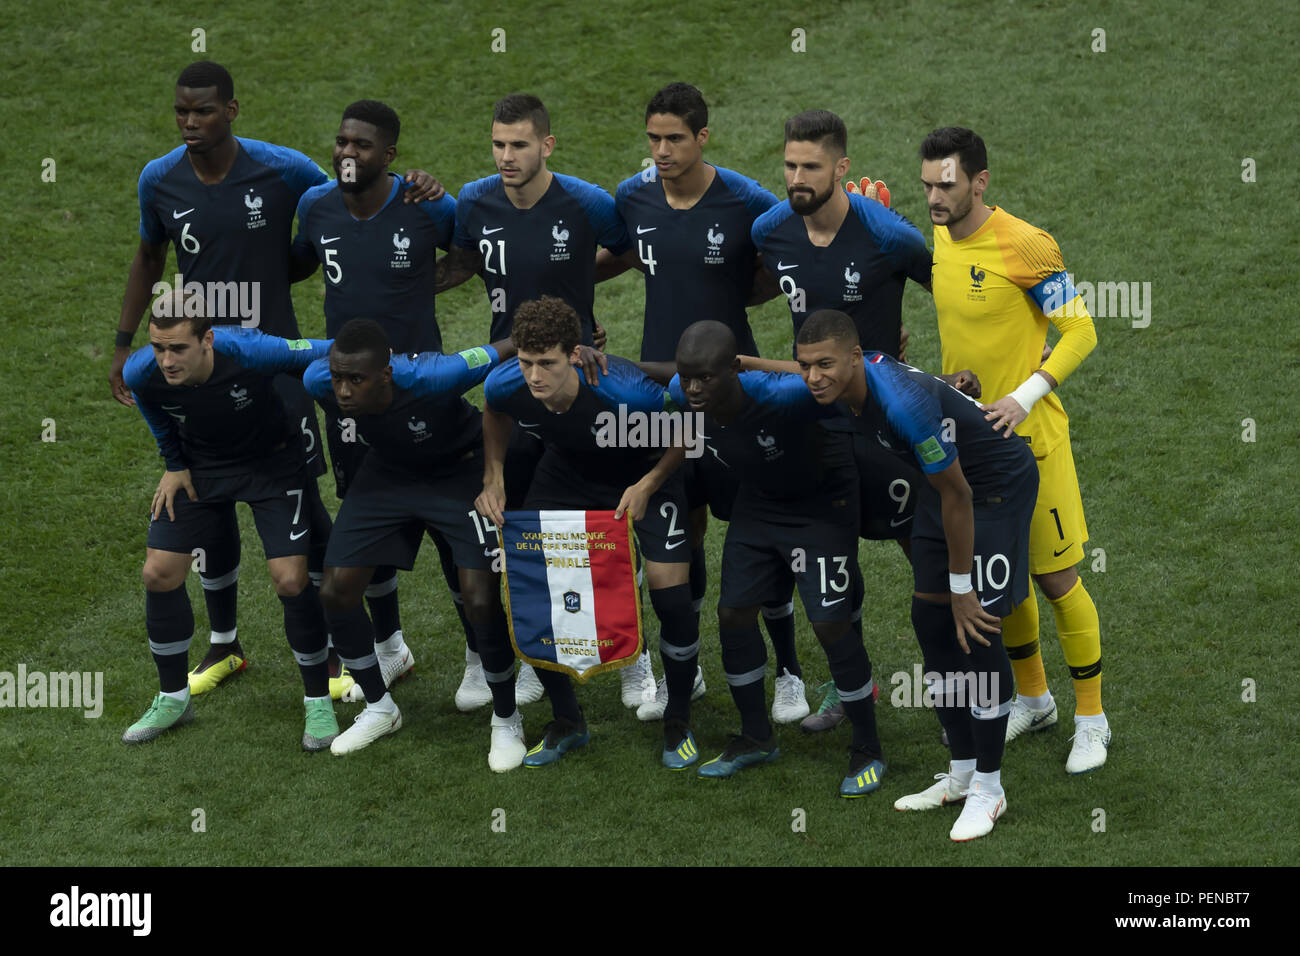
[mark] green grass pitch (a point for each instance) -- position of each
(1132, 158)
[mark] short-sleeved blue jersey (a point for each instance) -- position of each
(548, 249)
(581, 434)
(429, 427)
(910, 410)
(861, 273)
(237, 230)
(698, 263)
(234, 422)
(380, 268)
(775, 447)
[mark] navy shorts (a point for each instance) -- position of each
(815, 546)
(387, 512)
(1000, 571)
(281, 504)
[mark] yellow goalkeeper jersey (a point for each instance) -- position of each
(995, 291)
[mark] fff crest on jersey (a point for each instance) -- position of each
(572, 602)
(253, 203)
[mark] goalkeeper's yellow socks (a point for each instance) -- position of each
(1079, 629)
(1020, 638)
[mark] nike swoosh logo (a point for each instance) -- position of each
(326, 242)
(669, 547)
(642, 232)
(895, 522)
(172, 408)
(826, 603)
(295, 537)
(1057, 554)
(488, 232)
(984, 603)
(782, 267)
(528, 424)
(181, 215)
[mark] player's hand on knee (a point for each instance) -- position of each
(970, 618)
(598, 337)
(593, 362)
(634, 501)
(115, 380)
(1006, 413)
(422, 186)
(165, 497)
(491, 503)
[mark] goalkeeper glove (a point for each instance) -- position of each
(877, 191)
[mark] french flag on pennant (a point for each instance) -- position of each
(571, 595)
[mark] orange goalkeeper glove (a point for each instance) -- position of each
(877, 191)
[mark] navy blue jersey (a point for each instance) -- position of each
(237, 230)
(861, 273)
(234, 422)
(380, 268)
(909, 410)
(429, 427)
(548, 249)
(775, 446)
(585, 435)
(698, 262)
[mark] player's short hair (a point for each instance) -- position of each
(542, 324)
(965, 143)
(828, 324)
(364, 337)
(379, 115)
(205, 73)
(683, 101)
(816, 125)
(518, 107)
(174, 315)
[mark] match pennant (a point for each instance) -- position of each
(571, 595)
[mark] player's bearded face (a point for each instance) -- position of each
(809, 176)
(518, 151)
(826, 368)
(949, 192)
(359, 157)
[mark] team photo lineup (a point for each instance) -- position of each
(705, 437)
(968, 467)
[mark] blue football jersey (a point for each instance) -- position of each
(912, 411)
(861, 273)
(698, 263)
(429, 427)
(237, 230)
(380, 268)
(548, 249)
(775, 446)
(234, 422)
(581, 434)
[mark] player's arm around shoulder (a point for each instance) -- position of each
(268, 354)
